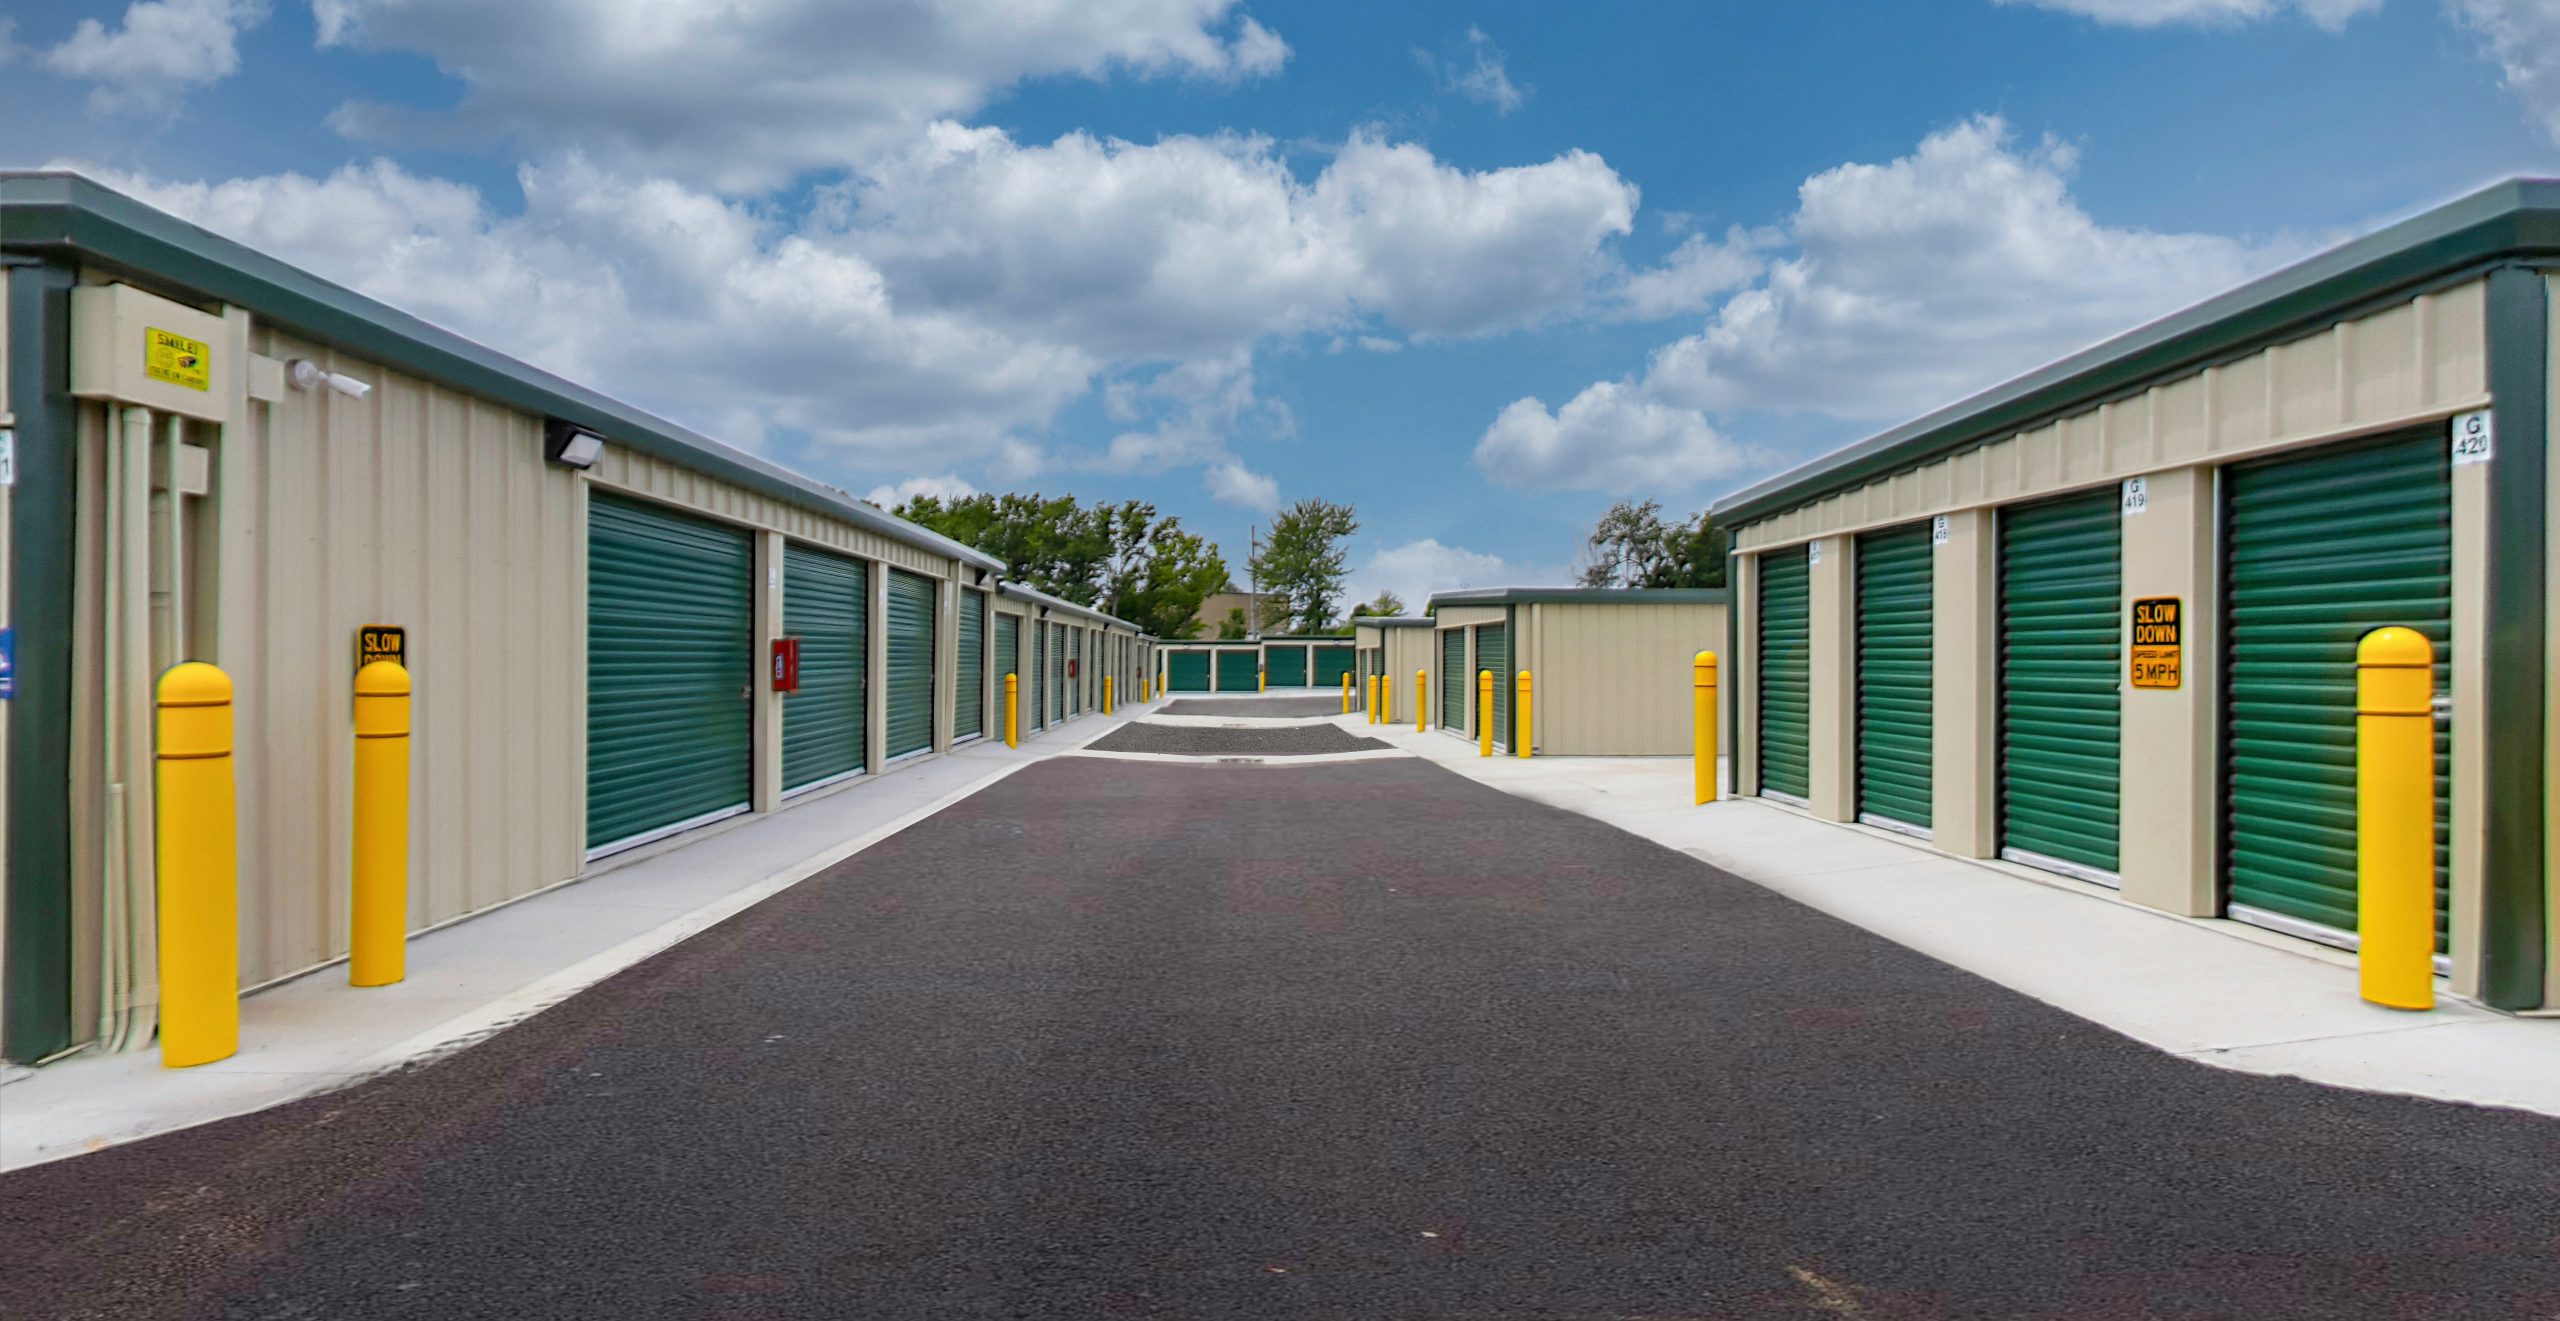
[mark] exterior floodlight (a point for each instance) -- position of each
(571, 446)
(308, 375)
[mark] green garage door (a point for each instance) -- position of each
(1035, 685)
(1057, 708)
(1331, 664)
(2320, 551)
(1894, 632)
(1009, 661)
(1786, 673)
(2061, 660)
(910, 663)
(1078, 674)
(1287, 665)
(824, 604)
(1493, 653)
(969, 702)
(1454, 680)
(1236, 669)
(1186, 671)
(670, 667)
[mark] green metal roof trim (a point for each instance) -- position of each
(66, 214)
(1392, 621)
(1584, 596)
(1061, 605)
(2518, 220)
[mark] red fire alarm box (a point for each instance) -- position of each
(1071, 668)
(786, 665)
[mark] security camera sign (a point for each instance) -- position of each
(176, 359)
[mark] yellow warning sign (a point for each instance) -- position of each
(2158, 627)
(177, 359)
(381, 642)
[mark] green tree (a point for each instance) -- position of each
(1387, 604)
(1632, 546)
(1302, 565)
(1121, 559)
(1233, 628)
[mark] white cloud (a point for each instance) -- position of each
(1893, 289)
(2331, 14)
(2523, 39)
(1416, 569)
(743, 97)
(1689, 279)
(162, 50)
(1607, 438)
(1235, 484)
(1478, 73)
(946, 487)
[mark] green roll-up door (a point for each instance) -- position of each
(2320, 551)
(1057, 709)
(1035, 685)
(1493, 653)
(1077, 672)
(1895, 630)
(1287, 665)
(1187, 671)
(2061, 660)
(969, 701)
(670, 666)
(1008, 660)
(1786, 672)
(910, 725)
(1453, 680)
(824, 604)
(1331, 664)
(1237, 669)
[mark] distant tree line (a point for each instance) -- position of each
(1634, 546)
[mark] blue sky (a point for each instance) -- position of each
(1477, 269)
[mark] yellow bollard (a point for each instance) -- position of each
(1373, 699)
(1106, 694)
(1346, 694)
(1702, 723)
(378, 912)
(1013, 710)
(2396, 818)
(1421, 704)
(197, 847)
(1262, 680)
(1484, 713)
(1520, 741)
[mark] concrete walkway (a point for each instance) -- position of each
(478, 975)
(2215, 991)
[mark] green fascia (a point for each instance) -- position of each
(1514, 596)
(2513, 880)
(36, 889)
(2517, 220)
(66, 217)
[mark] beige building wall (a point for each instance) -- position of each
(1831, 764)
(1616, 680)
(1964, 692)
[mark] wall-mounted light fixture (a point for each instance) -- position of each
(571, 445)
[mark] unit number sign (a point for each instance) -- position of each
(2158, 631)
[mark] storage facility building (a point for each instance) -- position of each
(1611, 667)
(1243, 665)
(1061, 652)
(212, 455)
(2102, 621)
(1398, 647)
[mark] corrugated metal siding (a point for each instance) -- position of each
(660, 480)
(2418, 361)
(438, 513)
(1615, 680)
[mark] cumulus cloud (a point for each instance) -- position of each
(1477, 72)
(890, 495)
(2522, 38)
(1416, 569)
(1893, 289)
(2331, 14)
(1689, 280)
(1233, 483)
(743, 98)
(161, 50)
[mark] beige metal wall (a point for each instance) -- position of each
(2413, 363)
(1615, 680)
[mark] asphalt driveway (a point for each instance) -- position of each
(1358, 1040)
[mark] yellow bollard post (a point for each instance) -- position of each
(1521, 740)
(197, 847)
(1262, 680)
(1346, 694)
(1702, 723)
(1484, 713)
(378, 911)
(1373, 699)
(1421, 707)
(1012, 710)
(2396, 818)
(1106, 695)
